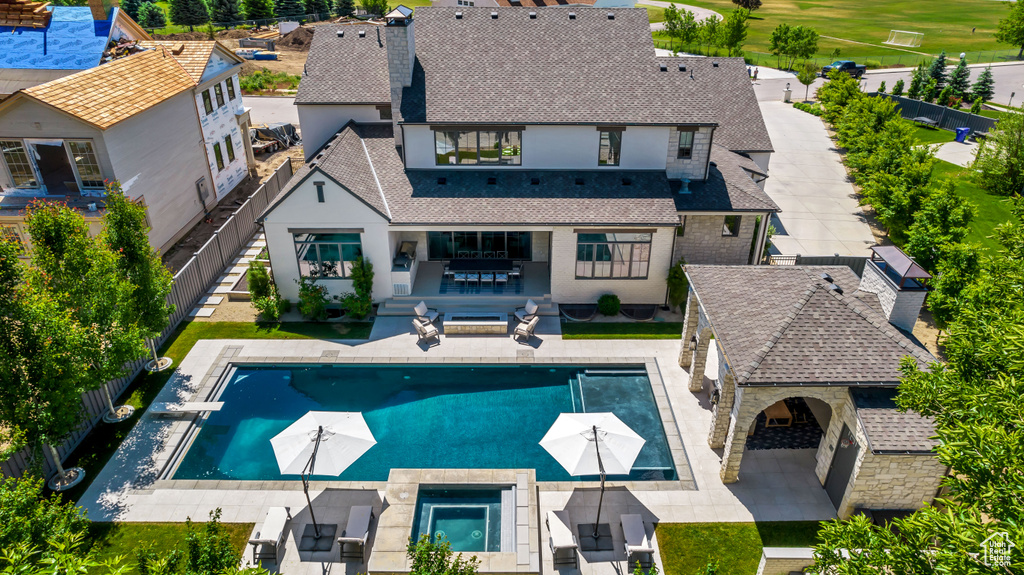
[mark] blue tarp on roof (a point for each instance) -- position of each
(72, 41)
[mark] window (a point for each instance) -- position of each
(327, 255)
(451, 245)
(490, 147)
(731, 227)
(219, 157)
(87, 164)
(219, 92)
(230, 148)
(685, 145)
(231, 88)
(18, 164)
(611, 146)
(385, 112)
(207, 104)
(10, 234)
(620, 255)
(319, 191)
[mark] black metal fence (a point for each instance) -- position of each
(945, 118)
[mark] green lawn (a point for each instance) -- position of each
(622, 330)
(927, 135)
(946, 24)
(655, 14)
(97, 448)
(111, 540)
(687, 547)
(992, 210)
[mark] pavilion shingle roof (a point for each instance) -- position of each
(784, 326)
(192, 55)
(887, 428)
(107, 94)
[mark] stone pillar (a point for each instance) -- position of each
(735, 443)
(689, 329)
(699, 362)
(720, 413)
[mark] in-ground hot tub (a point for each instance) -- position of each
(471, 322)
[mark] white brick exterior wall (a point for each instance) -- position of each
(695, 167)
(900, 306)
(565, 288)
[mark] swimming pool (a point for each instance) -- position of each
(424, 417)
(469, 519)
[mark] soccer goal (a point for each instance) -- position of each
(904, 38)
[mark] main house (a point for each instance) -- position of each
(166, 121)
(553, 139)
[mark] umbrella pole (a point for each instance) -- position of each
(305, 480)
(600, 500)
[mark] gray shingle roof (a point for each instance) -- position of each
(729, 187)
(888, 429)
(783, 326)
(348, 70)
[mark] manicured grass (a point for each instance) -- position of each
(110, 540)
(992, 210)
(655, 14)
(622, 330)
(946, 24)
(927, 135)
(687, 547)
(98, 447)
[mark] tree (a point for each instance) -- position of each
(678, 285)
(976, 106)
(837, 93)
(806, 74)
(960, 80)
(131, 7)
(680, 25)
(318, 7)
(359, 304)
(258, 9)
(748, 5)
(959, 267)
(985, 86)
(945, 96)
(126, 234)
(931, 90)
(189, 13)
(803, 44)
(27, 517)
(437, 558)
(778, 42)
(999, 163)
(881, 87)
(1011, 28)
(941, 223)
(344, 8)
(288, 8)
(976, 400)
(709, 34)
(897, 88)
(937, 71)
(375, 7)
(861, 129)
(225, 11)
(42, 364)
(152, 16)
(917, 82)
(734, 32)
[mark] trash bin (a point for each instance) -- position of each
(961, 134)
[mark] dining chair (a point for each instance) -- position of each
(487, 277)
(501, 255)
(473, 277)
(500, 278)
(489, 255)
(460, 277)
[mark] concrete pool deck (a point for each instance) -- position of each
(775, 485)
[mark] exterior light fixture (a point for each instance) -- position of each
(693, 342)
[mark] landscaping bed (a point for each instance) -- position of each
(686, 548)
(622, 330)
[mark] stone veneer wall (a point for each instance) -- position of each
(703, 242)
(900, 306)
(401, 47)
(784, 560)
(695, 167)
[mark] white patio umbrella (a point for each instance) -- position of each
(593, 444)
(323, 442)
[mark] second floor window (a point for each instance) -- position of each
(685, 145)
(219, 92)
(231, 88)
(485, 147)
(207, 104)
(611, 148)
(230, 149)
(87, 164)
(731, 226)
(218, 156)
(17, 163)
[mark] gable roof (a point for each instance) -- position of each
(541, 3)
(784, 326)
(729, 187)
(346, 70)
(107, 94)
(193, 55)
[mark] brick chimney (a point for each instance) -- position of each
(101, 9)
(899, 282)
(401, 47)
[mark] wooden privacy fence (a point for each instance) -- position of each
(947, 118)
(190, 284)
(855, 263)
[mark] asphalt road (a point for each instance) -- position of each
(271, 109)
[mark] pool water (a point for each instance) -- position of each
(424, 417)
(469, 519)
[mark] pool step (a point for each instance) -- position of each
(508, 520)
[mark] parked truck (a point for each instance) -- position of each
(847, 66)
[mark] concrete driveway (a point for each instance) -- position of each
(820, 214)
(271, 109)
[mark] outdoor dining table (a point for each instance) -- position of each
(480, 265)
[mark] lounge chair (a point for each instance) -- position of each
(354, 539)
(427, 331)
(425, 314)
(524, 331)
(638, 545)
(564, 547)
(268, 538)
(527, 312)
(185, 408)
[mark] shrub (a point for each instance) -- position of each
(678, 285)
(259, 280)
(28, 518)
(872, 63)
(312, 299)
(356, 306)
(284, 305)
(609, 304)
(897, 89)
(814, 109)
(265, 80)
(976, 106)
(881, 87)
(359, 304)
(269, 307)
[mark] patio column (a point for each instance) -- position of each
(720, 413)
(735, 443)
(700, 360)
(689, 329)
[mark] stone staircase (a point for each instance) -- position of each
(403, 305)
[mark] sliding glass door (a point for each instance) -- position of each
(452, 245)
